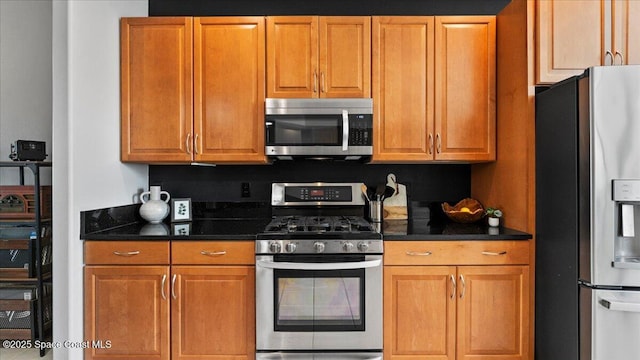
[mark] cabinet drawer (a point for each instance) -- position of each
(456, 252)
(213, 252)
(126, 252)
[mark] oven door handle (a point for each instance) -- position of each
(319, 266)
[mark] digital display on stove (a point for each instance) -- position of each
(317, 193)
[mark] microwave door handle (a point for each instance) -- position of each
(615, 305)
(319, 266)
(345, 130)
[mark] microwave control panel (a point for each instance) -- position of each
(360, 129)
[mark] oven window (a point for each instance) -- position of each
(305, 130)
(327, 300)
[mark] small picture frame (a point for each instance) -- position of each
(181, 209)
(181, 229)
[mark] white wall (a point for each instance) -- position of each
(25, 79)
(86, 121)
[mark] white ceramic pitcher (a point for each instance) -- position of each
(154, 209)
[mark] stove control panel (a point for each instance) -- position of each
(309, 246)
(315, 194)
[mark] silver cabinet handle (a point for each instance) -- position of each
(164, 281)
(491, 253)
(173, 286)
(195, 145)
(315, 81)
(186, 143)
(621, 58)
(464, 286)
(415, 253)
(430, 144)
(213, 253)
(322, 84)
(453, 286)
(127, 253)
(438, 143)
(609, 54)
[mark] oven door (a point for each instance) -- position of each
(318, 302)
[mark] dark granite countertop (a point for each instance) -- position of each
(223, 221)
(212, 221)
(421, 229)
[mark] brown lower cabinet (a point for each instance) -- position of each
(164, 300)
(475, 307)
(196, 300)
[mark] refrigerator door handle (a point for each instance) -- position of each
(617, 305)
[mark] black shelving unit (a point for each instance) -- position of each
(40, 275)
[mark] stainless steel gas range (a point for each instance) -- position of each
(318, 276)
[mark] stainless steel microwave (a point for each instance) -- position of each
(319, 128)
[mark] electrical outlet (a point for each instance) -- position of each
(245, 190)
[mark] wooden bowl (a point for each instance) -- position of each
(455, 213)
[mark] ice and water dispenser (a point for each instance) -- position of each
(626, 195)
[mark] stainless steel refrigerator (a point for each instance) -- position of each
(588, 217)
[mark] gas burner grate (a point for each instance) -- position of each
(318, 224)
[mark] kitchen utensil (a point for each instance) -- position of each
(364, 192)
(380, 191)
(388, 192)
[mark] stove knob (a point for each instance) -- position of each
(363, 246)
(348, 247)
(290, 247)
(275, 247)
(319, 247)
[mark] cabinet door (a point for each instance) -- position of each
(213, 312)
(128, 306)
(419, 312)
(571, 36)
(292, 56)
(465, 78)
(345, 56)
(627, 31)
(229, 55)
(493, 312)
(156, 89)
(403, 83)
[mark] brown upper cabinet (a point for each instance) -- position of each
(318, 57)
(192, 89)
(574, 35)
(434, 88)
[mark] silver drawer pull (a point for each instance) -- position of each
(213, 253)
(491, 253)
(414, 253)
(127, 254)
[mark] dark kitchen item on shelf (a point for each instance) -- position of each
(28, 150)
(465, 211)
